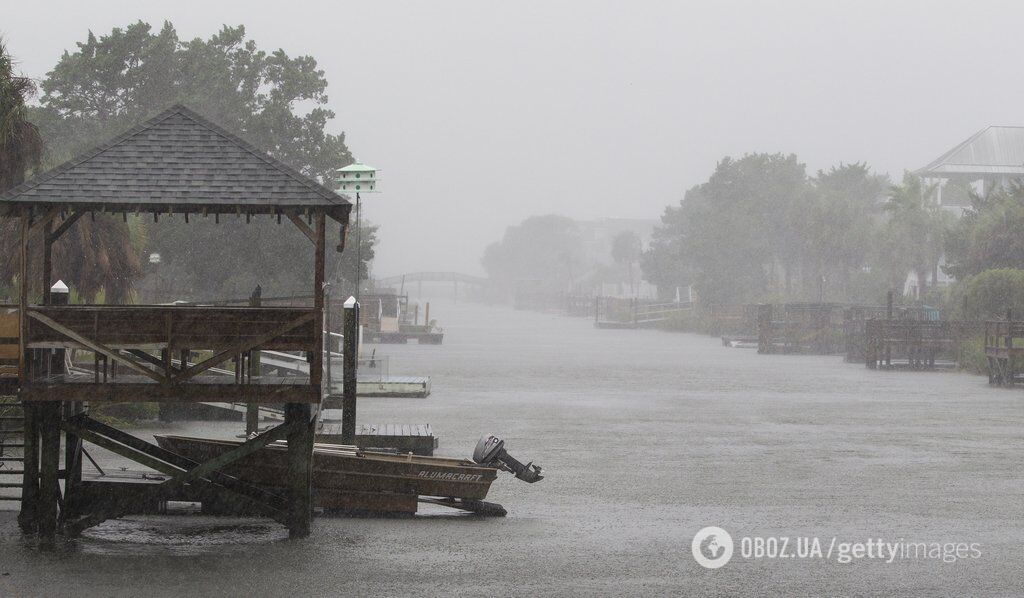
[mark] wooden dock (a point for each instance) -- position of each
(176, 163)
(804, 328)
(1004, 352)
(402, 337)
(918, 345)
(417, 439)
(615, 313)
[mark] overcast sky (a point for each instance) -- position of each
(480, 113)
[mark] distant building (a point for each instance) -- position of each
(991, 157)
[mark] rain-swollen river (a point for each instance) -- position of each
(645, 438)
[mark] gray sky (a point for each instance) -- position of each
(482, 113)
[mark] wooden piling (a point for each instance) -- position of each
(300, 468)
(49, 486)
(350, 373)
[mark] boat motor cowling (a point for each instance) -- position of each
(491, 451)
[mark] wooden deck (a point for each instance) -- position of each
(418, 439)
(917, 345)
(151, 343)
(804, 328)
(1004, 352)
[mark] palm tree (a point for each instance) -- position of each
(21, 146)
(97, 253)
(917, 228)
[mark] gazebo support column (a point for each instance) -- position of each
(28, 517)
(300, 468)
(49, 488)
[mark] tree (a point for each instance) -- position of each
(665, 263)
(916, 231)
(988, 235)
(991, 293)
(546, 251)
(21, 145)
(839, 227)
(627, 249)
(98, 254)
(738, 233)
(272, 100)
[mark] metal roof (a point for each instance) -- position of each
(991, 151)
(177, 161)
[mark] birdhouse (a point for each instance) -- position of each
(357, 178)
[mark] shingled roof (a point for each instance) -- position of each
(182, 162)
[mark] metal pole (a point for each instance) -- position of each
(359, 246)
(252, 410)
(327, 349)
(351, 363)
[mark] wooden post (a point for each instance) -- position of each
(252, 410)
(350, 380)
(300, 469)
(23, 300)
(764, 328)
(316, 366)
(28, 517)
(47, 260)
(49, 490)
(426, 318)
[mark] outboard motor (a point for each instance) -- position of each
(491, 451)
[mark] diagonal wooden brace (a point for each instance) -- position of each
(64, 226)
(243, 450)
(166, 489)
(241, 347)
(99, 348)
(302, 226)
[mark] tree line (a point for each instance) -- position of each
(762, 229)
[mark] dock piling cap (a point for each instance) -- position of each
(350, 302)
(59, 287)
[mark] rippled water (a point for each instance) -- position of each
(645, 437)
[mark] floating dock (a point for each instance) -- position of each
(417, 439)
(402, 338)
(408, 387)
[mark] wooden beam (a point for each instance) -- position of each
(316, 367)
(140, 456)
(99, 348)
(241, 347)
(147, 392)
(23, 299)
(65, 225)
(47, 261)
(183, 463)
(224, 459)
(302, 226)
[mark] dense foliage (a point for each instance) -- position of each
(991, 293)
(542, 253)
(989, 235)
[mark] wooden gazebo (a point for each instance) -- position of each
(182, 165)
